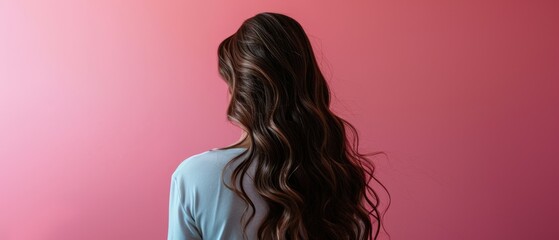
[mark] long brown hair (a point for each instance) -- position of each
(309, 171)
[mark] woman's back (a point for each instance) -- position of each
(302, 163)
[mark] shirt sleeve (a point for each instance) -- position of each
(181, 222)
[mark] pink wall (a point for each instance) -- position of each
(100, 100)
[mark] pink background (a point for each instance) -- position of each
(100, 101)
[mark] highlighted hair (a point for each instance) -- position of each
(309, 170)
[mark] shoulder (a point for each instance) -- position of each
(194, 164)
(202, 165)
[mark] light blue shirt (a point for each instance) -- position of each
(201, 207)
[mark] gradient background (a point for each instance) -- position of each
(101, 100)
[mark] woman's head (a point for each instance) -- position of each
(270, 69)
(308, 171)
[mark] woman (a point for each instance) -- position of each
(301, 177)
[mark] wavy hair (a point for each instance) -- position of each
(309, 171)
